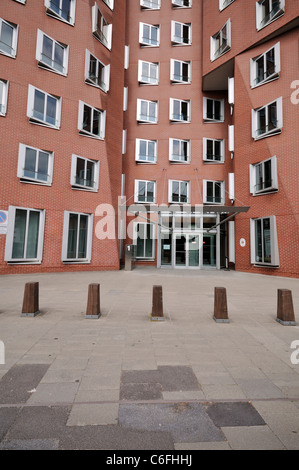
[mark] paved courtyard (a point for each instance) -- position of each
(124, 382)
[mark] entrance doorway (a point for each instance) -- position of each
(187, 251)
(209, 250)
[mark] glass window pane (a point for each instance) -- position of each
(82, 248)
(6, 38)
(42, 169)
(89, 174)
(58, 57)
(51, 110)
(80, 171)
(19, 234)
(39, 105)
(141, 191)
(47, 50)
(96, 122)
(258, 241)
(32, 237)
(267, 240)
(87, 119)
(72, 236)
(30, 163)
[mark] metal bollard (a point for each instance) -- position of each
(220, 305)
(157, 305)
(30, 306)
(93, 301)
(285, 309)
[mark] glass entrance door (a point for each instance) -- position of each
(209, 250)
(180, 251)
(186, 251)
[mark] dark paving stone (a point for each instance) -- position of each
(186, 422)
(7, 417)
(234, 414)
(176, 378)
(32, 444)
(141, 376)
(143, 391)
(16, 384)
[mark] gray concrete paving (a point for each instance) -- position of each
(124, 382)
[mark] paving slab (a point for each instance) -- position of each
(234, 414)
(17, 385)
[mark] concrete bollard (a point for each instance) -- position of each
(285, 309)
(220, 305)
(93, 301)
(30, 306)
(157, 305)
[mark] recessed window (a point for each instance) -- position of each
(213, 192)
(146, 151)
(84, 173)
(181, 33)
(51, 54)
(268, 11)
(213, 110)
(224, 3)
(8, 38)
(149, 35)
(221, 41)
(145, 191)
(96, 73)
(148, 72)
(3, 96)
(35, 165)
(179, 110)
(181, 3)
(179, 191)
(263, 176)
(91, 121)
(147, 111)
(43, 108)
(267, 120)
(263, 241)
(151, 4)
(144, 239)
(180, 71)
(101, 29)
(24, 239)
(77, 237)
(179, 150)
(63, 10)
(265, 67)
(213, 150)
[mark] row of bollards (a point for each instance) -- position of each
(285, 308)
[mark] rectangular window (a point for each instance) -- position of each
(96, 73)
(151, 4)
(149, 35)
(267, 120)
(145, 191)
(51, 54)
(265, 67)
(8, 38)
(3, 96)
(179, 110)
(147, 111)
(179, 150)
(144, 239)
(179, 191)
(91, 121)
(213, 150)
(43, 108)
(268, 11)
(101, 29)
(24, 240)
(263, 241)
(181, 33)
(146, 151)
(263, 176)
(213, 192)
(35, 165)
(84, 173)
(221, 41)
(180, 71)
(181, 3)
(77, 237)
(109, 3)
(148, 72)
(213, 110)
(63, 10)
(224, 3)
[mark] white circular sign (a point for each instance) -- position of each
(242, 242)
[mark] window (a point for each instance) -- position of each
(21, 1)
(35, 165)
(145, 191)
(179, 191)
(84, 173)
(265, 67)
(147, 111)
(149, 35)
(213, 192)
(77, 237)
(263, 241)
(3, 96)
(182, 3)
(100, 28)
(96, 73)
(109, 3)
(179, 110)
(213, 110)
(144, 239)
(221, 41)
(91, 121)
(267, 120)
(51, 54)
(213, 150)
(263, 176)
(151, 4)
(268, 11)
(146, 151)
(25, 233)
(43, 108)
(181, 33)
(180, 72)
(63, 10)
(8, 38)
(224, 3)
(179, 150)
(148, 72)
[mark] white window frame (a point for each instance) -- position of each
(135, 238)
(4, 97)
(104, 84)
(10, 237)
(137, 151)
(85, 132)
(148, 80)
(104, 35)
(274, 252)
(21, 165)
(30, 108)
(170, 191)
(181, 3)
(76, 260)
(150, 4)
(21, 1)
(179, 79)
(271, 76)
(276, 130)
(142, 38)
(179, 40)
(205, 150)
(142, 118)
(224, 4)
(273, 187)
(109, 3)
(179, 118)
(77, 185)
(15, 28)
(39, 55)
(260, 21)
(205, 110)
(137, 191)
(224, 48)
(51, 12)
(222, 192)
(181, 159)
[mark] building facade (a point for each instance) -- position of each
(171, 125)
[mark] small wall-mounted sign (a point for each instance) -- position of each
(3, 222)
(242, 242)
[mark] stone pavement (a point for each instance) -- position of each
(124, 382)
